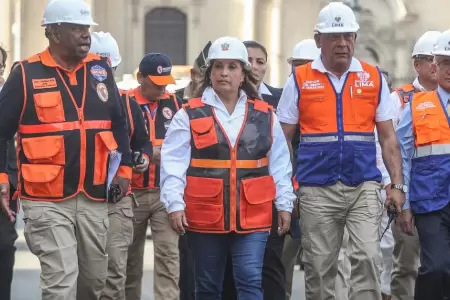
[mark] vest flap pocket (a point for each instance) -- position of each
(427, 129)
(202, 125)
(255, 205)
(426, 180)
(259, 190)
(43, 180)
(203, 132)
(104, 144)
(199, 215)
(49, 107)
(204, 189)
(45, 149)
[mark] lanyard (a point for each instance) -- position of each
(152, 113)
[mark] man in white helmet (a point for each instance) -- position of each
(304, 52)
(66, 109)
(424, 137)
(340, 101)
(120, 232)
(406, 248)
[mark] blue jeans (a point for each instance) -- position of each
(210, 255)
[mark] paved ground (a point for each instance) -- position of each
(26, 273)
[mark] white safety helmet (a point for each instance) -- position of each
(305, 50)
(425, 44)
(67, 11)
(228, 48)
(336, 17)
(442, 46)
(103, 44)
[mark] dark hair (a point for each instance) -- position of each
(255, 44)
(4, 55)
(248, 86)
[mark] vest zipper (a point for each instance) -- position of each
(82, 150)
(340, 130)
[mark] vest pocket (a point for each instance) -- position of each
(427, 129)
(364, 161)
(45, 149)
(204, 203)
(49, 107)
(425, 181)
(43, 180)
(314, 114)
(364, 108)
(203, 132)
(255, 204)
(104, 144)
(317, 163)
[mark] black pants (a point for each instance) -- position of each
(187, 278)
(433, 280)
(273, 280)
(8, 236)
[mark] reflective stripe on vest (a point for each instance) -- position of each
(337, 140)
(430, 165)
(63, 142)
(229, 188)
(157, 123)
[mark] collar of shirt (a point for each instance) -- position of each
(355, 66)
(418, 85)
(445, 96)
(263, 90)
(211, 98)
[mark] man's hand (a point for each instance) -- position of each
(123, 183)
(397, 197)
(284, 222)
(4, 199)
(156, 155)
(406, 220)
(142, 167)
(178, 221)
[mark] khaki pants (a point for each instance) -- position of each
(165, 243)
(342, 283)
(69, 238)
(325, 212)
(405, 263)
(120, 237)
(291, 250)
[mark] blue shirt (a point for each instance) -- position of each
(406, 139)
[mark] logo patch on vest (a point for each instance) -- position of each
(102, 92)
(363, 80)
(167, 113)
(425, 105)
(99, 73)
(312, 85)
(46, 83)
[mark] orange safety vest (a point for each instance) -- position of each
(63, 147)
(157, 123)
(229, 188)
(337, 141)
(406, 92)
(430, 165)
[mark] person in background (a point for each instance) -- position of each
(8, 234)
(187, 278)
(197, 73)
(407, 247)
(120, 214)
(212, 187)
(159, 107)
(304, 52)
(339, 181)
(423, 134)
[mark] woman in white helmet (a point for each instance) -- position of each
(223, 162)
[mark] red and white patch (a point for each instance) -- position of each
(167, 113)
(102, 92)
(159, 69)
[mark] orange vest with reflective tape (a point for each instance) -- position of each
(337, 141)
(63, 149)
(430, 164)
(157, 123)
(229, 188)
(405, 92)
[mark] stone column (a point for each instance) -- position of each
(32, 33)
(5, 30)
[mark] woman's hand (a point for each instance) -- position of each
(178, 221)
(284, 222)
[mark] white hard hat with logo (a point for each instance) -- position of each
(305, 50)
(336, 17)
(425, 44)
(67, 11)
(442, 46)
(103, 44)
(228, 48)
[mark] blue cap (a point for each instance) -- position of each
(157, 67)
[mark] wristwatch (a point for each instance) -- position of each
(400, 187)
